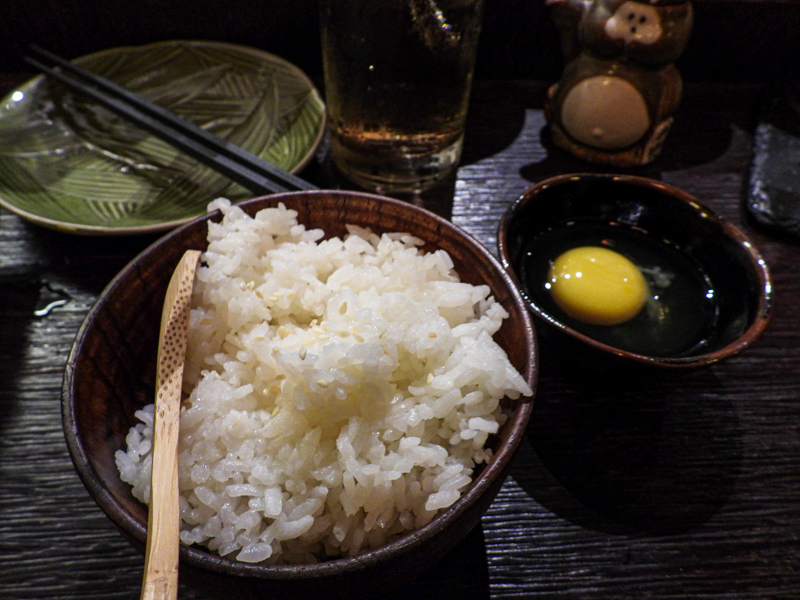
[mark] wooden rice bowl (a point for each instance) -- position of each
(111, 373)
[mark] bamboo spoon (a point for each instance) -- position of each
(160, 580)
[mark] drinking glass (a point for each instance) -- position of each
(398, 75)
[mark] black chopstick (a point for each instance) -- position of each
(254, 173)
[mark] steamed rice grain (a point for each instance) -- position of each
(340, 392)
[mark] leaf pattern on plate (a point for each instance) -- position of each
(68, 164)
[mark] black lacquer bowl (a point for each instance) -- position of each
(111, 373)
(664, 230)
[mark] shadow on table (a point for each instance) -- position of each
(659, 457)
(496, 117)
(20, 292)
(88, 261)
(463, 573)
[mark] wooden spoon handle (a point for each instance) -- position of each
(160, 580)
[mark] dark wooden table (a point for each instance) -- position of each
(675, 488)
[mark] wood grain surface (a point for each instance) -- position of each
(670, 488)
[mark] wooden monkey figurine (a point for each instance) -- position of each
(618, 93)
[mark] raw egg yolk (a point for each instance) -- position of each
(596, 285)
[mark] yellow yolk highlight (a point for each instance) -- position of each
(596, 285)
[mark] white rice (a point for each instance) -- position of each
(341, 391)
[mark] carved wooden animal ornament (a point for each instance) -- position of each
(618, 93)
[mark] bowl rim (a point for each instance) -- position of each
(490, 476)
(756, 261)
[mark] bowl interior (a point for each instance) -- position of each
(545, 220)
(111, 372)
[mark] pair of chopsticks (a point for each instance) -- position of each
(254, 173)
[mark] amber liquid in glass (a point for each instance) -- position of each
(398, 75)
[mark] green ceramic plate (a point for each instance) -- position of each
(71, 165)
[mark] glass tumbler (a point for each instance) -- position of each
(398, 75)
